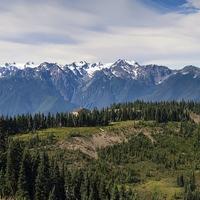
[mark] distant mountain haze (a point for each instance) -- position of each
(51, 87)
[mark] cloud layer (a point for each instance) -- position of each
(63, 31)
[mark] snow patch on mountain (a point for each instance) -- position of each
(87, 69)
(84, 71)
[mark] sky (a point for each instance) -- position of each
(165, 32)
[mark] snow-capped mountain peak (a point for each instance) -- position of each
(132, 62)
(13, 65)
(8, 69)
(80, 64)
(10, 66)
(122, 68)
(123, 62)
(30, 64)
(45, 66)
(192, 70)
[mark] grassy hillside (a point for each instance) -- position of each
(142, 155)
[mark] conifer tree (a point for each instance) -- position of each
(57, 184)
(42, 185)
(24, 180)
(85, 187)
(3, 141)
(94, 193)
(115, 193)
(122, 193)
(192, 182)
(14, 155)
(180, 181)
(2, 184)
(188, 193)
(68, 185)
(103, 193)
(52, 194)
(77, 181)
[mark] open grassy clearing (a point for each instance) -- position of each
(65, 132)
(164, 189)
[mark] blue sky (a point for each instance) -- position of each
(166, 4)
(148, 31)
(183, 6)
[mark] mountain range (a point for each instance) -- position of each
(50, 87)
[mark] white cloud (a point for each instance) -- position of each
(103, 30)
(193, 4)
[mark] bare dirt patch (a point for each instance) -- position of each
(195, 117)
(89, 145)
(149, 135)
